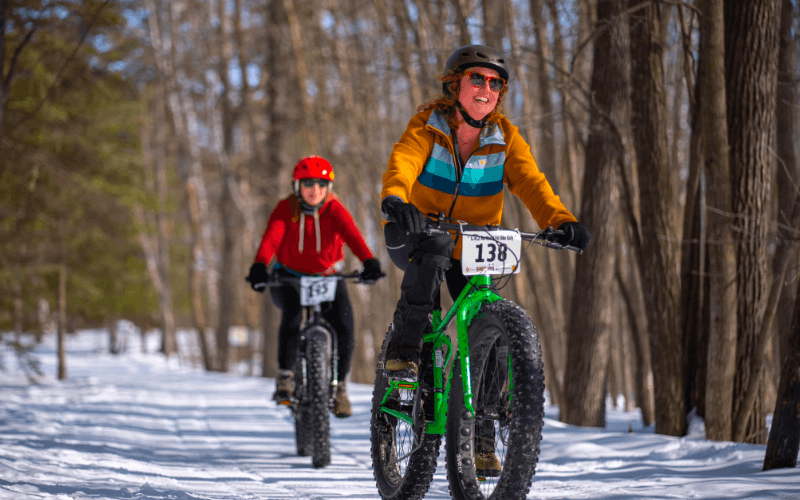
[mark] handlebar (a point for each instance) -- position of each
(276, 279)
(545, 237)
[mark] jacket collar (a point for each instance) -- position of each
(492, 133)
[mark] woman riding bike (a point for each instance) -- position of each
(305, 233)
(454, 157)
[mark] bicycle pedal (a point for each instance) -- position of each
(406, 377)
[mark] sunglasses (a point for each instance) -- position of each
(312, 182)
(477, 79)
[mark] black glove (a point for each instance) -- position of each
(407, 216)
(575, 234)
(372, 270)
(258, 276)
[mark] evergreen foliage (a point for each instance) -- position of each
(71, 166)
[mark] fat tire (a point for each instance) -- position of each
(303, 432)
(318, 394)
(498, 324)
(394, 483)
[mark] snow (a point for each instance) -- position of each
(139, 426)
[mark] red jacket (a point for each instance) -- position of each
(321, 246)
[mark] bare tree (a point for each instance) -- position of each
(784, 436)
(156, 247)
(62, 322)
(592, 307)
(185, 124)
(493, 26)
(751, 68)
(461, 21)
(721, 274)
(788, 169)
(659, 251)
(631, 291)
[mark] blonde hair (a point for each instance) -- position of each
(446, 105)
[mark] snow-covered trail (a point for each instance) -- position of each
(136, 427)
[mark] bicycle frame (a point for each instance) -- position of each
(463, 310)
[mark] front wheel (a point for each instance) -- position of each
(402, 465)
(493, 453)
(303, 430)
(318, 394)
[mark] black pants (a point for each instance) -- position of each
(339, 314)
(427, 262)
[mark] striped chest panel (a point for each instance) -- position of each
(483, 173)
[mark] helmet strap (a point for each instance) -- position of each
(470, 120)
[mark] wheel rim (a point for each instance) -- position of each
(397, 441)
(495, 415)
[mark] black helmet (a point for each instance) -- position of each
(477, 55)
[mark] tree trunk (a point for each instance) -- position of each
(405, 51)
(62, 322)
(516, 61)
(788, 169)
(464, 37)
(222, 125)
(280, 123)
(254, 148)
(296, 38)
(784, 436)
(550, 333)
(559, 266)
(694, 285)
(493, 23)
(165, 304)
(592, 306)
(185, 123)
(721, 274)
(659, 252)
(428, 40)
(751, 67)
(156, 248)
(562, 78)
(637, 321)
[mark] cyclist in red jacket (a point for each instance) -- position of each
(305, 233)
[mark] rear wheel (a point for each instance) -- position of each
(402, 464)
(493, 454)
(318, 394)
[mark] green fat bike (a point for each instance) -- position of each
(488, 403)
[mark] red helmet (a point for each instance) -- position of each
(312, 167)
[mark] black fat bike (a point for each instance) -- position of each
(489, 400)
(315, 370)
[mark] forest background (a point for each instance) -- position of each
(145, 142)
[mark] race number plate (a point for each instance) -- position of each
(316, 290)
(490, 252)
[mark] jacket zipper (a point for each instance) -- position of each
(459, 173)
(459, 167)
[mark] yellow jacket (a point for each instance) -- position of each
(422, 171)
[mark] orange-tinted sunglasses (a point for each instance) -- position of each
(477, 79)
